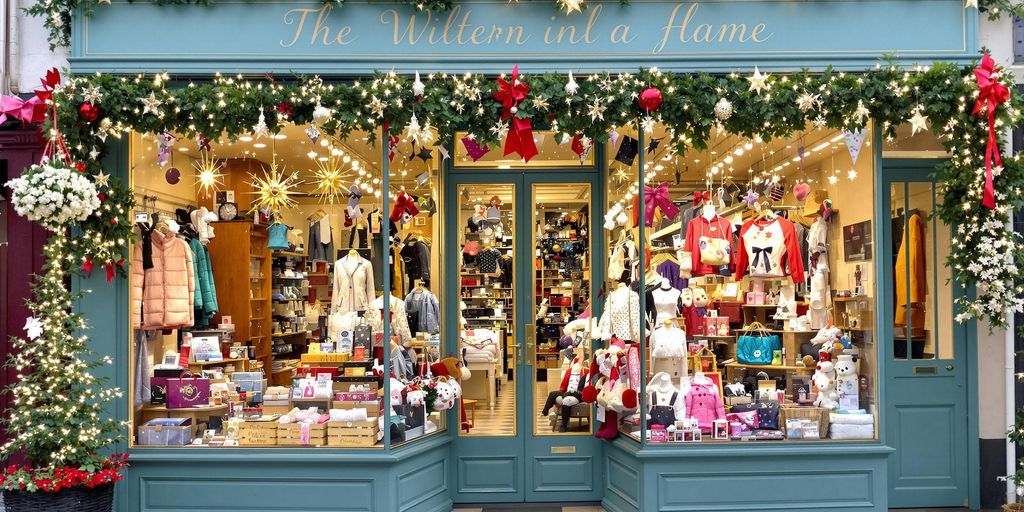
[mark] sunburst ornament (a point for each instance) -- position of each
(208, 175)
(275, 188)
(330, 179)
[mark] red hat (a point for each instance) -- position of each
(824, 356)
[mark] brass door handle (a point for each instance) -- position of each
(949, 367)
(531, 343)
(518, 354)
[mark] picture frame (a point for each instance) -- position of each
(857, 241)
(720, 430)
(171, 360)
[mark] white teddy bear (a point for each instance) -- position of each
(846, 377)
(445, 396)
(825, 380)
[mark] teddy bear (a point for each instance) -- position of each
(700, 306)
(847, 379)
(445, 396)
(824, 380)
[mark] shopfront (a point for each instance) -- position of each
(698, 292)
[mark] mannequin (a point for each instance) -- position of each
(621, 318)
(664, 403)
(353, 283)
(666, 301)
(570, 392)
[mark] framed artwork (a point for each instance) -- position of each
(857, 241)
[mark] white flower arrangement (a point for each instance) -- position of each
(54, 195)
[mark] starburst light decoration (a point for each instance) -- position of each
(330, 179)
(274, 190)
(208, 175)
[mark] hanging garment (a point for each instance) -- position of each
(416, 256)
(163, 296)
(353, 284)
(670, 270)
(769, 248)
(278, 237)
(321, 240)
(621, 317)
(399, 321)
(912, 250)
(358, 237)
(206, 292)
(716, 228)
(506, 266)
(201, 219)
(143, 393)
(427, 310)
(488, 260)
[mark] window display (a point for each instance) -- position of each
(752, 318)
(258, 297)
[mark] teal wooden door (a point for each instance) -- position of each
(925, 350)
(512, 452)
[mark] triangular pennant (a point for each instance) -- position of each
(628, 150)
(473, 149)
(854, 141)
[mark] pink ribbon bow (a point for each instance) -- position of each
(32, 110)
(658, 198)
(991, 94)
(520, 135)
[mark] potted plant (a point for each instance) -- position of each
(58, 421)
(1016, 435)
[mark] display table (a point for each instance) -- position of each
(482, 385)
(150, 411)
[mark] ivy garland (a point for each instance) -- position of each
(986, 256)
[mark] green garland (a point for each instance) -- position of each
(987, 255)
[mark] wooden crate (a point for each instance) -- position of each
(257, 433)
(290, 434)
(819, 414)
(373, 408)
(353, 434)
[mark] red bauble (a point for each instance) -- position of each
(88, 112)
(101, 196)
(650, 99)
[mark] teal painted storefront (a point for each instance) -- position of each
(350, 42)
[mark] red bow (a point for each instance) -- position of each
(701, 196)
(991, 94)
(520, 136)
(658, 197)
(32, 110)
(404, 204)
(111, 270)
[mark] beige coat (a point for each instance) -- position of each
(163, 296)
(353, 285)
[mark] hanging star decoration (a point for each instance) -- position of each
(807, 101)
(376, 106)
(500, 130)
(596, 111)
(208, 175)
(443, 151)
(819, 122)
(424, 154)
(539, 103)
(33, 327)
(102, 179)
(151, 104)
(94, 153)
(571, 6)
(860, 115)
(918, 122)
(330, 179)
(91, 95)
(647, 124)
(751, 197)
(620, 175)
(260, 129)
(418, 88)
(274, 190)
(851, 175)
(758, 81)
(419, 134)
(571, 87)
(652, 146)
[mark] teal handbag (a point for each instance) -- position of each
(757, 346)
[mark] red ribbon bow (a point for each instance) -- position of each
(520, 135)
(404, 204)
(658, 197)
(698, 197)
(111, 270)
(991, 94)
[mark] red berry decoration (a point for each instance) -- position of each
(101, 196)
(650, 99)
(88, 112)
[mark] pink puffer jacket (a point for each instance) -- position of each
(703, 403)
(163, 296)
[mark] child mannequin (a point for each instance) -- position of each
(569, 393)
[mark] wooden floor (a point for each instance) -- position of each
(501, 421)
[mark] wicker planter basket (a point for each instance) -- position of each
(1014, 507)
(75, 499)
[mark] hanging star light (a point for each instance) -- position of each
(851, 175)
(819, 122)
(918, 122)
(260, 129)
(208, 175)
(102, 179)
(275, 188)
(151, 104)
(539, 103)
(377, 106)
(758, 81)
(807, 101)
(861, 114)
(94, 153)
(571, 6)
(91, 95)
(596, 111)
(647, 124)
(330, 179)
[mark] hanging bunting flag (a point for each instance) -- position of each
(475, 151)
(854, 141)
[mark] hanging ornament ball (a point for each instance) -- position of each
(556, 248)
(321, 114)
(513, 109)
(650, 99)
(88, 112)
(723, 109)
(173, 175)
(557, 258)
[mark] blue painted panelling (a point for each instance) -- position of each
(560, 474)
(482, 474)
(917, 458)
(491, 35)
(763, 487)
(271, 491)
(421, 484)
(622, 480)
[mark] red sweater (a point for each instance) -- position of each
(698, 227)
(769, 248)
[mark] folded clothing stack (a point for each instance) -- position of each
(852, 425)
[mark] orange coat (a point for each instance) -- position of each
(912, 249)
(163, 296)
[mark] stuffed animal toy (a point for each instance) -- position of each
(846, 382)
(445, 396)
(824, 380)
(827, 339)
(608, 365)
(700, 306)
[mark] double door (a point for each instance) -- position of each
(523, 259)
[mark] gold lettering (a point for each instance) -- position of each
(562, 33)
(706, 29)
(521, 36)
(670, 27)
(319, 27)
(477, 32)
(409, 32)
(547, 33)
(620, 35)
(741, 28)
(594, 13)
(755, 34)
(448, 24)
(343, 33)
(289, 19)
(690, 14)
(462, 26)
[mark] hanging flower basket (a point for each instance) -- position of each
(73, 499)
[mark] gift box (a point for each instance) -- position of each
(756, 286)
(756, 298)
(166, 432)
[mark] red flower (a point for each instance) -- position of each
(113, 221)
(101, 196)
(80, 166)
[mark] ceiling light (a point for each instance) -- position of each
(245, 138)
(796, 159)
(259, 145)
(323, 142)
(322, 159)
(728, 159)
(311, 154)
(183, 149)
(778, 168)
(837, 138)
(280, 136)
(821, 146)
(748, 145)
(738, 152)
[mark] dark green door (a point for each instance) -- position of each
(925, 349)
(512, 452)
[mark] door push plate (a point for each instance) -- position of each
(925, 370)
(563, 450)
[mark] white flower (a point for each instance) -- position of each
(34, 327)
(53, 195)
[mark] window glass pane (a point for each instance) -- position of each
(915, 271)
(942, 286)
(488, 339)
(551, 152)
(562, 293)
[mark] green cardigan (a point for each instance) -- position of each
(206, 292)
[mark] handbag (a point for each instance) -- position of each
(713, 251)
(757, 345)
(362, 336)
(768, 416)
(187, 391)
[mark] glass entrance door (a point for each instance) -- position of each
(520, 262)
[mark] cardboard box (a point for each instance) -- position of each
(166, 432)
(373, 407)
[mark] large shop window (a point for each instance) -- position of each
(748, 294)
(258, 292)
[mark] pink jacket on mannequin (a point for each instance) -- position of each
(163, 296)
(703, 403)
